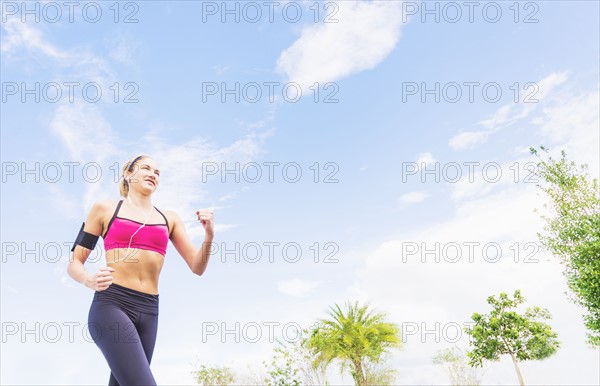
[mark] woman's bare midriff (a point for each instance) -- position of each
(139, 270)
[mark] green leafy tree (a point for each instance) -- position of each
(294, 364)
(312, 372)
(505, 332)
(354, 337)
(220, 376)
(454, 361)
(282, 371)
(573, 231)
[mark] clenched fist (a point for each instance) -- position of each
(206, 219)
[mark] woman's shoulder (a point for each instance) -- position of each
(105, 205)
(171, 215)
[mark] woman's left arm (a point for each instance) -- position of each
(196, 259)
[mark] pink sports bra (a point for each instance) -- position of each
(152, 237)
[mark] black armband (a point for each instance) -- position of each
(86, 240)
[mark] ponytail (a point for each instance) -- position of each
(128, 167)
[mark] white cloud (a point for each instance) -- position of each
(221, 69)
(85, 133)
(546, 86)
(88, 67)
(226, 197)
(498, 118)
(296, 287)
(365, 34)
(507, 115)
(79, 64)
(413, 197)
(122, 48)
(182, 187)
(468, 139)
(88, 139)
(20, 35)
(572, 123)
(426, 158)
(220, 228)
(480, 178)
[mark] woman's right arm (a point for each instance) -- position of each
(103, 278)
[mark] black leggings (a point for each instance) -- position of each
(123, 323)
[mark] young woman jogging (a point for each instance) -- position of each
(123, 316)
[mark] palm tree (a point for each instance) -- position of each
(356, 337)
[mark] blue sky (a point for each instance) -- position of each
(373, 61)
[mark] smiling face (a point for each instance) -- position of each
(144, 175)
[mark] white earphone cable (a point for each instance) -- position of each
(134, 233)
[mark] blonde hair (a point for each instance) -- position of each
(128, 168)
